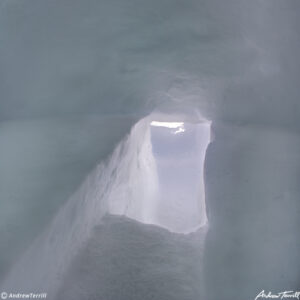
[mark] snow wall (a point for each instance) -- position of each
(126, 184)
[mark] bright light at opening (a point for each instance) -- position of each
(173, 125)
(167, 124)
(180, 203)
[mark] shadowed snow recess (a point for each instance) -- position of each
(127, 184)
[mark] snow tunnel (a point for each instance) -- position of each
(153, 176)
(160, 173)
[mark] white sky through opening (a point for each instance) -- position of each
(179, 150)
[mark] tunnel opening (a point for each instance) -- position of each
(153, 176)
(179, 150)
(158, 173)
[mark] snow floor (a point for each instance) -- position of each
(128, 260)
